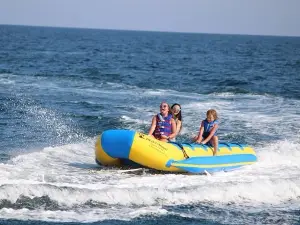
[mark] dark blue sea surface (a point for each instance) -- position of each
(61, 87)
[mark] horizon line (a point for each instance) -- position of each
(154, 31)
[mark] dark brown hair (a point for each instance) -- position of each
(178, 116)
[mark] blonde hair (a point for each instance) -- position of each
(213, 113)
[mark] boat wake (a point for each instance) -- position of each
(66, 179)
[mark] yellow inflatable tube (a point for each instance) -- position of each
(119, 147)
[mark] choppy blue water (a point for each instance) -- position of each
(60, 88)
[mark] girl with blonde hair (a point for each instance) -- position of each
(208, 130)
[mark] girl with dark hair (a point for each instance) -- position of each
(176, 112)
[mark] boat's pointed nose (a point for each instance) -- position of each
(117, 143)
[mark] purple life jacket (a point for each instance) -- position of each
(163, 125)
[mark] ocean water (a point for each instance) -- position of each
(60, 88)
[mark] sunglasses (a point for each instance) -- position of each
(163, 106)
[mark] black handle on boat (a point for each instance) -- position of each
(180, 146)
(184, 152)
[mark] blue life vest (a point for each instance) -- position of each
(208, 127)
(163, 125)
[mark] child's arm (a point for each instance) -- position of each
(174, 127)
(178, 127)
(211, 134)
(153, 125)
(201, 130)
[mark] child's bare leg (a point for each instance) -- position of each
(214, 140)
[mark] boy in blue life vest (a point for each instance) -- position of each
(208, 130)
(163, 126)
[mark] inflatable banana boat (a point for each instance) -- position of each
(127, 147)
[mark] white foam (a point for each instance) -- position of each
(68, 175)
(6, 81)
(66, 166)
(80, 215)
(132, 120)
